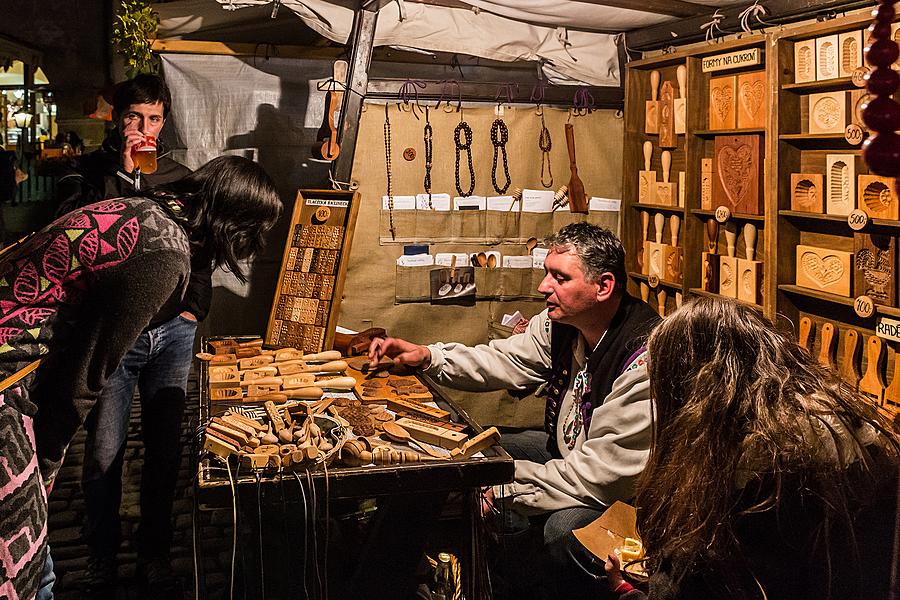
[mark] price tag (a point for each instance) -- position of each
(864, 307)
(653, 281)
(723, 213)
(853, 133)
(858, 77)
(857, 220)
(321, 215)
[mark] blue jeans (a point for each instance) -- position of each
(48, 578)
(159, 364)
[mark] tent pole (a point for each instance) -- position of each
(362, 41)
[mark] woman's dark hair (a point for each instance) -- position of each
(229, 204)
(737, 400)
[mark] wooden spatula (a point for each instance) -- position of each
(577, 199)
(872, 383)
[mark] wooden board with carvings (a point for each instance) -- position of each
(877, 197)
(737, 174)
(751, 100)
(722, 92)
(311, 279)
(825, 270)
(807, 192)
(382, 385)
(875, 261)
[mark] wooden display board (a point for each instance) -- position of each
(311, 280)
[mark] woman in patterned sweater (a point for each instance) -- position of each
(76, 295)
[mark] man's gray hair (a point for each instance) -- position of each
(598, 248)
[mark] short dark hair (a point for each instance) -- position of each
(142, 89)
(230, 202)
(598, 248)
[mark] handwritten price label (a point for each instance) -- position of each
(653, 281)
(853, 133)
(864, 307)
(723, 213)
(857, 220)
(858, 77)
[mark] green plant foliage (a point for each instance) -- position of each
(134, 29)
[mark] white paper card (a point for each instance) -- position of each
(438, 202)
(606, 204)
(400, 203)
(518, 262)
(511, 320)
(503, 203)
(538, 255)
(537, 201)
(445, 259)
(416, 260)
(469, 203)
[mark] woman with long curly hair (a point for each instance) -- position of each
(768, 476)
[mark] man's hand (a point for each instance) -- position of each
(401, 351)
(131, 138)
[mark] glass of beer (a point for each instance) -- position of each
(144, 155)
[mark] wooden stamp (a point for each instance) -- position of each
(673, 271)
(751, 100)
(840, 191)
(224, 379)
(681, 100)
(875, 257)
(255, 362)
(728, 276)
(828, 112)
(806, 331)
(706, 183)
(226, 393)
(827, 344)
(432, 434)
(872, 382)
(876, 197)
(807, 192)
(666, 192)
(805, 61)
(849, 367)
(737, 174)
(748, 280)
(709, 274)
(645, 254)
(657, 254)
(850, 55)
(827, 57)
(667, 116)
(651, 113)
(645, 226)
(661, 296)
(647, 178)
(722, 92)
(824, 270)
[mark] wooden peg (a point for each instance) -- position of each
(807, 328)
(666, 192)
(872, 382)
(661, 301)
(651, 112)
(680, 102)
(674, 226)
(731, 235)
(666, 161)
(679, 299)
(850, 363)
(659, 221)
(647, 178)
(712, 235)
(750, 240)
(648, 154)
(681, 76)
(645, 225)
(827, 341)
(645, 291)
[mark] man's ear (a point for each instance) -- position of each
(606, 286)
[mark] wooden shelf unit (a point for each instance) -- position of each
(696, 144)
(787, 147)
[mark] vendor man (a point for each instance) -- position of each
(588, 347)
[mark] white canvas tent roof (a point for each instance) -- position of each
(576, 42)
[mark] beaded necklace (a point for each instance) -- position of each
(574, 423)
(464, 145)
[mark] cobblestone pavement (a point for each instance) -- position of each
(67, 512)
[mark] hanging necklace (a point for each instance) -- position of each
(545, 144)
(574, 423)
(499, 137)
(387, 165)
(464, 146)
(428, 135)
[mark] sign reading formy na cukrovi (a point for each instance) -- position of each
(732, 60)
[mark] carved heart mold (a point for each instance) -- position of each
(722, 102)
(733, 166)
(824, 271)
(752, 94)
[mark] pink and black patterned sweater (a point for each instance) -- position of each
(75, 294)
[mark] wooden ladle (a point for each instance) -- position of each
(396, 433)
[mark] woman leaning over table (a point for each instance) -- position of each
(768, 476)
(76, 295)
